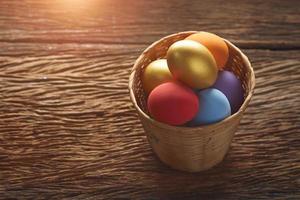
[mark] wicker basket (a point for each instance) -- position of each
(189, 148)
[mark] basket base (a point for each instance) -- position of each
(190, 156)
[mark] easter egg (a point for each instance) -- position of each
(215, 44)
(192, 63)
(213, 107)
(172, 103)
(231, 86)
(156, 73)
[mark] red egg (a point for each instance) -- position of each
(173, 103)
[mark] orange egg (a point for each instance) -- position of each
(215, 44)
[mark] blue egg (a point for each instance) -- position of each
(213, 107)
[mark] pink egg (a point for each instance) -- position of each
(173, 103)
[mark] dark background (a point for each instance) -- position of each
(69, 131)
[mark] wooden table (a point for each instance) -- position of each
(69, 131)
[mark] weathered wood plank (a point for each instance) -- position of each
(68, 130)
(255, 22)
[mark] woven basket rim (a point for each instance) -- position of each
(220, 123)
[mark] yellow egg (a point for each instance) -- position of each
(192, 63)
(156, 73)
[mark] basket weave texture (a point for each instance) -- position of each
(189, 149)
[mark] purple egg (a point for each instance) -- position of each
(231, 86)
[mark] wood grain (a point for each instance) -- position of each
(68, 129)
(142, 22)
